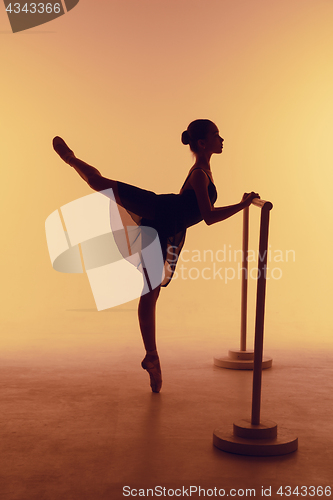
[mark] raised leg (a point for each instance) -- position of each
(93, 177)
(88, 173)
(136, 200)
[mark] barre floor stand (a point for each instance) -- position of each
(243, 359)
(257, 437)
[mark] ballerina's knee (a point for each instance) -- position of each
(99, 183)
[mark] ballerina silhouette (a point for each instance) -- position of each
(169, 214)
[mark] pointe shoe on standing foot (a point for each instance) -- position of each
(152, 365)
(62, 149)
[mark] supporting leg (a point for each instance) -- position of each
(147, 318)
(147, 321)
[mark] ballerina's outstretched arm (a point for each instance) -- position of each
(210, 214)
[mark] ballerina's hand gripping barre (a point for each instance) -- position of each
(171, 215)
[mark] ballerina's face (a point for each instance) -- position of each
(213, 142)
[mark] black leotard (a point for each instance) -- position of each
(169, 214)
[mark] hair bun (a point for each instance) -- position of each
(185, 138)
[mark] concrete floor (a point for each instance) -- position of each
(78, 420)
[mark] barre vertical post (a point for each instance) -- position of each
(245, 266)
(243, 359)
(260, 314)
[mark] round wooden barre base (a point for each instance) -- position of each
(267, 429)
(241, 360)
(261, 440)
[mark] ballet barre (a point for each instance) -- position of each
(254, 436)
(243, 359)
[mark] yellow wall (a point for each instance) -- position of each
(120, 81)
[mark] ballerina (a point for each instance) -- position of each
(170, 214)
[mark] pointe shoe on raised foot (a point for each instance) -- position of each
(62, 149)
(152, 365)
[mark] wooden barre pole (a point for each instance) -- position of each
(260, 312)
(242, 359)
(245, 266)
(258, 202)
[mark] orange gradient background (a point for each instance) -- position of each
(120, 80)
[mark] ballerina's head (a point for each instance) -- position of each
(203, 136)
